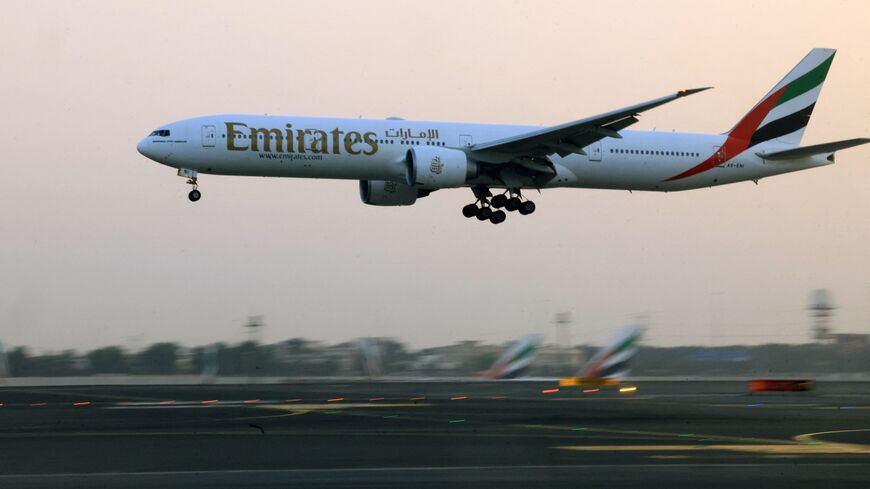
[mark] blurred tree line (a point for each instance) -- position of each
(300, 357)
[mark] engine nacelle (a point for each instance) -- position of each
(379, 192)
(435, 168)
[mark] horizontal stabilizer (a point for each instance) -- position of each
(815, 149)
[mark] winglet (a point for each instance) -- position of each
(689, 91)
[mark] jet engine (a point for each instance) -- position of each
(434, 167)
(379, 192)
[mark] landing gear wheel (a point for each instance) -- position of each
(513, 204)
(527, 207)
(497, 217)
(194, 195)
(484, 213)
(499, 201)
(470, 210)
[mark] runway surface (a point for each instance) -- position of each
(505, 434)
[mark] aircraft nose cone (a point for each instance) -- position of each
(143, 148)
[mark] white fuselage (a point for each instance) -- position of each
(366, 149)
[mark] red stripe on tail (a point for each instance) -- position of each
(739, 137)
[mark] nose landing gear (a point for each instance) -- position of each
(194, 194)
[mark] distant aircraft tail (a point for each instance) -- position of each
(783, 114)
(612, 361)
(373, 363)
(516, 360)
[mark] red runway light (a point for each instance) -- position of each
(590, 390)
(293, 400)
(549, 391)
(418, 398)
(779, 385)
(210, 401)
(83, 403)
(376, 399)
(458, 398)
(35, 404)
(251, 401)
(335, 399)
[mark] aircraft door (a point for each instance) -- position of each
(719, 151)
(595, 151)
(465, 140)
(208, 136)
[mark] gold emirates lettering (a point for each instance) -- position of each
(292, 140)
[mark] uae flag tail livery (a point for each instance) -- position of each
(780, 116)
(515, 362)
(610, 365)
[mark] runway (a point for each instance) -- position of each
(509, 434)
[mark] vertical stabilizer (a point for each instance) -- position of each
(373, 362)
(783, 114)
(4, 370)
(516, 360)
(612, 361)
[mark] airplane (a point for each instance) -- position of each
(515, 361)
(398, 161)
(609, 366)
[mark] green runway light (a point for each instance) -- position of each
(456, 421)
(391, 416)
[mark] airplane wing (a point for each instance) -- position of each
(567, 138)
(814, 149)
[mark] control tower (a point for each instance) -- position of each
(821, 310)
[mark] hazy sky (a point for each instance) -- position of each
(101, 246)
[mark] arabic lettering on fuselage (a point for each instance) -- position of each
(408, 134)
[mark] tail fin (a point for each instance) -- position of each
(516, 360)
(371, 355)
(612, 360)
(783, 114)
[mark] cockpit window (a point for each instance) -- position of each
(160, 132)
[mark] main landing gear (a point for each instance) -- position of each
(194, 194)
(487, 207)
